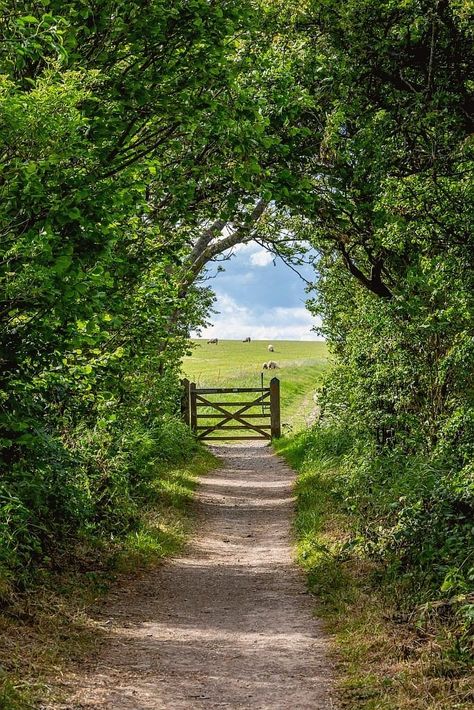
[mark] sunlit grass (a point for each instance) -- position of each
(164, 524)
(234, 359)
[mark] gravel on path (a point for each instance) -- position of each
(227, 625)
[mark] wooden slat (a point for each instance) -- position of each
(229, 390)
(235, 438)
(268, 399)
(228, 404)
(247, 416)
(275, 407)
(240, 427)
(193, 410)
(236, 415)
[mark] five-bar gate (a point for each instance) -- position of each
(211, 418)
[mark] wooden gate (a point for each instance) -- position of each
(211, 419)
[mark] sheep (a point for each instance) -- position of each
(213, 341)
(271, 349)
(270, 365)
(246, 340)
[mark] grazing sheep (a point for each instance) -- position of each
(270, 365)
(271, 349)
(246, 340)
(213, 341)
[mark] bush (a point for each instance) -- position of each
(412, 517)
(90, 490)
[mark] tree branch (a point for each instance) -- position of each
(374, 283)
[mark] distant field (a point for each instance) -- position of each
(301, 365)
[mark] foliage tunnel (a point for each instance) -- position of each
(131, 134)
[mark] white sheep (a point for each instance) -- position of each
(271, 349)
(270, 365)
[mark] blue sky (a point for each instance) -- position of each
(261, 299)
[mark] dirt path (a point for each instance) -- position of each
(229, 624)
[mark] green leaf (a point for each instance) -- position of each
(62, 264)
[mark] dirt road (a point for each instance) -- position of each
(229, 624)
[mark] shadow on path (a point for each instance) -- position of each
(229, 624)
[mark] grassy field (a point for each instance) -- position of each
(301, 365)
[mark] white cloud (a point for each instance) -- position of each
(236, 321)
(253, 254)
(261, 258)
(300, 313)
(263, 303)
(247, 278)
(247, 248)
(227, 306)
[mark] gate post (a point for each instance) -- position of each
(193, 406)
(185, 415)
(275, 407)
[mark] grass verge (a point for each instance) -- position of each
(387, 661)
(51, 626)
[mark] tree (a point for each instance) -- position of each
(119, 123)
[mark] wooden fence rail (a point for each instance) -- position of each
(232, 415)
